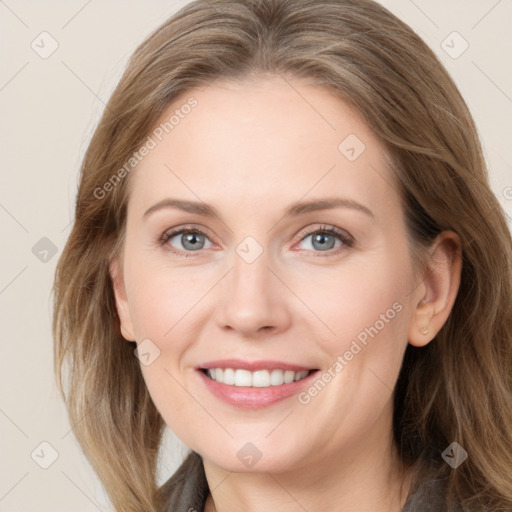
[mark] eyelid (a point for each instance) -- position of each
(344, 236)
(170, 233)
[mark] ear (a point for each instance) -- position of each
(436, 295)
(116, 274)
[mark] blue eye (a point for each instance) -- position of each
(186, 241)
(191, 240)
(324, 240)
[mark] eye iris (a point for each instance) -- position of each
(320, 238)
(191, 238)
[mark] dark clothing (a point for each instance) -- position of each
(187, 490)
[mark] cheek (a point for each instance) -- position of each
(366, 297)
(365, 309)
(368, 314)
(161, 300)
(162, 309)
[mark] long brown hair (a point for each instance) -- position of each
(457, 388)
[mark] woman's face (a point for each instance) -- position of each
(304, 265)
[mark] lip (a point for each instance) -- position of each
(248, 397)
(252, 365)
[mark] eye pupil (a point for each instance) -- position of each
(321, 239)
(190, 239)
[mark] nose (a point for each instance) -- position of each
(254, 301)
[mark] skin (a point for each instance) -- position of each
(251, 149)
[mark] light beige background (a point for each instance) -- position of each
(49, 108)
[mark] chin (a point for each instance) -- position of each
(253, 457)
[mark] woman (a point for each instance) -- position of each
(286, 249)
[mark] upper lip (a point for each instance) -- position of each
(252, 365)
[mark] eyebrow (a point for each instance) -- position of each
(296, 209)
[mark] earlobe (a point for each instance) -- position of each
(121, 300)
(439, 289)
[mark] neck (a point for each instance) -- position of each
(366, 476)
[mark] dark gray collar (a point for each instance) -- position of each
(187, 490)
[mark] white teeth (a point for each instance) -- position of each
(257, 379)
(229, 376)
(276, 377)
(242, 378)
(291, 376)
(261, 379)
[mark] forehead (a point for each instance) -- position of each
(244, 141)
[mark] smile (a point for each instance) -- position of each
(256, 379)
(254, 384)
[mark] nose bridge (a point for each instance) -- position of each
(253, 296)
(250, 270)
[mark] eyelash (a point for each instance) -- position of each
(344, 237)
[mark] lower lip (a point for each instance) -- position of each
(246, 397)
